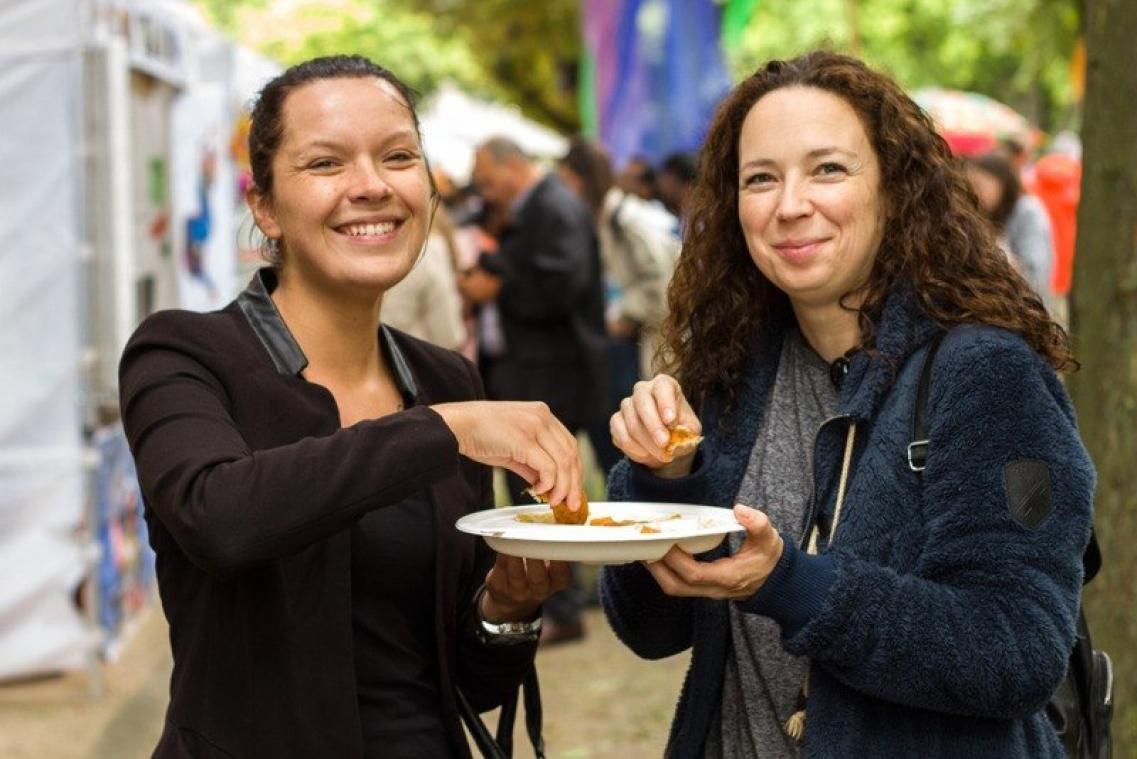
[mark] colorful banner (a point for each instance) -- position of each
(125, 571)
(658, 73)
(205, 252)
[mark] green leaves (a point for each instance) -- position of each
(1017, 51)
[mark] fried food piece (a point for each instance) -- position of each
(682, 441)
(563, 514)
(647, 529)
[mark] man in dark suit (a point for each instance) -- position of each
(545, 286)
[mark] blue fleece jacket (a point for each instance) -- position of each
(941, 617)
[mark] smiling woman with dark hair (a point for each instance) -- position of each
(303, 464)
(891, 596)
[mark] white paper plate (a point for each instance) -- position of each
(698, 529)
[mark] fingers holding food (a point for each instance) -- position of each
(523, 437)
(682, 442)
(562, 513)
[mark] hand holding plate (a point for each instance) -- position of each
(515, 587)
(731, 578)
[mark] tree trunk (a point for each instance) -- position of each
(1104, 324)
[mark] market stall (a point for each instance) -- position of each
(122, 196)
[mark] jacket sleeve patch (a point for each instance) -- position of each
(1028, 491)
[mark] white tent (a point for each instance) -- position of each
(107, 108)
(42, 473)
(455, 123)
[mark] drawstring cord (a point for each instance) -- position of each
(795, 725)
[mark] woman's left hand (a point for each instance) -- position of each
(515, 587)
(731, 578)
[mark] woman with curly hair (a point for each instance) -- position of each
(885, 599)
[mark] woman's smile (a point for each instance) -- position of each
(800, 251)
(370, 232)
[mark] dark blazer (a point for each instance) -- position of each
(552, 307)
(251, 489)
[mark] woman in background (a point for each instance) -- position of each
(1019, 218)
(639, 244)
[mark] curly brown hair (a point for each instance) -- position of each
(935, 239)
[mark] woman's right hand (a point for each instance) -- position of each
(642, 426)
(523, 437)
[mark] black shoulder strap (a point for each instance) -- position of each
(918, 442)
(918, 449)
(500, 746)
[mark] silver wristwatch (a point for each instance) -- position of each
(509, 632)
(504, 633)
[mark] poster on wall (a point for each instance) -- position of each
(125, 571)
(150, 103)
(203, 189)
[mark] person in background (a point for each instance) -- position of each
(639, 244)
(1019, 218)
(1057, 183)
(885, 599)
(426, 303)
(302, 464)
(1017, 150)
(545, 282)
(675, 178)
(638, 178)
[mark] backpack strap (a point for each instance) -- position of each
(918, 449)
(918, 445)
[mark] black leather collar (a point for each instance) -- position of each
(256, 304)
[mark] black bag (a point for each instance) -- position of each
(501, 745)
(1082, 707)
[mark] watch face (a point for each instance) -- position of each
(508, 633)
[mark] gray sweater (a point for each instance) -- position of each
(762, 680)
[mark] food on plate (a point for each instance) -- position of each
(544, 518)
(605, 521)
(682, 441)
(610, 522)
(647, 529)
(562, 514)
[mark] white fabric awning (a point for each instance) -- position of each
(455, 123)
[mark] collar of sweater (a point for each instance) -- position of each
(903, 328)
